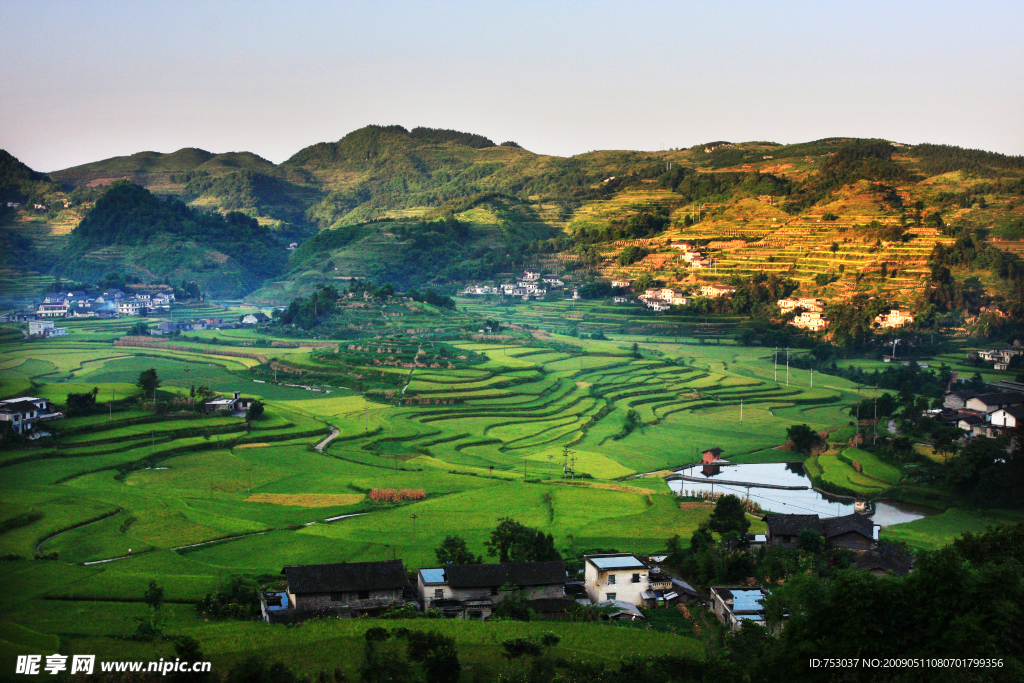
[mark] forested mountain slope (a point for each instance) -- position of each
(430, 206)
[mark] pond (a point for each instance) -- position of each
(803, 500)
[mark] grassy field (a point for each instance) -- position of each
(936, 531)
(488, 429)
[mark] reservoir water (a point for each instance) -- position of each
(805, 501)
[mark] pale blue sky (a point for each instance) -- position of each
(82, 81)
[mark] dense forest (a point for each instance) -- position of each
(130, 215)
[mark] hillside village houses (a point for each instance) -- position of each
(897, 317)
(531, 284)
(715, 290)
(986, 415)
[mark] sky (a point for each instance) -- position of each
(82, 81)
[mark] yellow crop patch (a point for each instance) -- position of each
(306, 500)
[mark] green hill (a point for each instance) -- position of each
(840, 216)
(129, 229)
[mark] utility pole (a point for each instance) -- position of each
(874, 438)
(787, 367)
(413, 518)
(812, 378)
(741, 411)
(776, 366)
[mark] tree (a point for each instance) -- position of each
(154, 597)
(803, 437)
(453, 550)
(729, 515)
(255, 411)
(139, 329)
(643, 283)
(438, 655)
(513, 542)
(82, 404)
(148, 381)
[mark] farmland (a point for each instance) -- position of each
(529, 426)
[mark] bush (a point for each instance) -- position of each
(396, 495)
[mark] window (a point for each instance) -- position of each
(612, 596)
(494, 590)
(438, 593)
(337, 597)
(636, 578)
(364, 595)
(611, 578)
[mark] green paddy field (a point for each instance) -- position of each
(482, 426)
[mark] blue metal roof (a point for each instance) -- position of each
(627, 562)
(283, 605)
(433, 575)
(746, 601)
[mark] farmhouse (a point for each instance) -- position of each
(254, 318)
(1010, 417)
(989, 403)
(471, 591)
(622, 284)
(970, 423)
(236, 405)
(734, 605)
(809, 320)
(676, 297)
(897, 317)
(349, 588)
(808, 304)
(620, 576)
(852, 531)
(45, 328)
(713, 291)
(957, 400)
(22, 414)
(131, 306)
(54, 310)
(711, 455)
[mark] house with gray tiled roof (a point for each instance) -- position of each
(351, 588)
(848, 531)
(473, 590)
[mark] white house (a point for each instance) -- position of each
(23, 413)
(45, 328)
(808, 320)
(990, 403)
(713, 291)
(531, 274)
(52, 310)
(622, 576)
(734, 605)
(621, 284)
(897, 317)
(131, 307)
(1009, 417)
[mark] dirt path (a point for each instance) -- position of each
(323, 444)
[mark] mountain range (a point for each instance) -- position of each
(440, 207)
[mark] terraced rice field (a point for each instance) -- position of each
(198, 498)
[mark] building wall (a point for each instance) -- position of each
(598, 585)
(348, 600)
